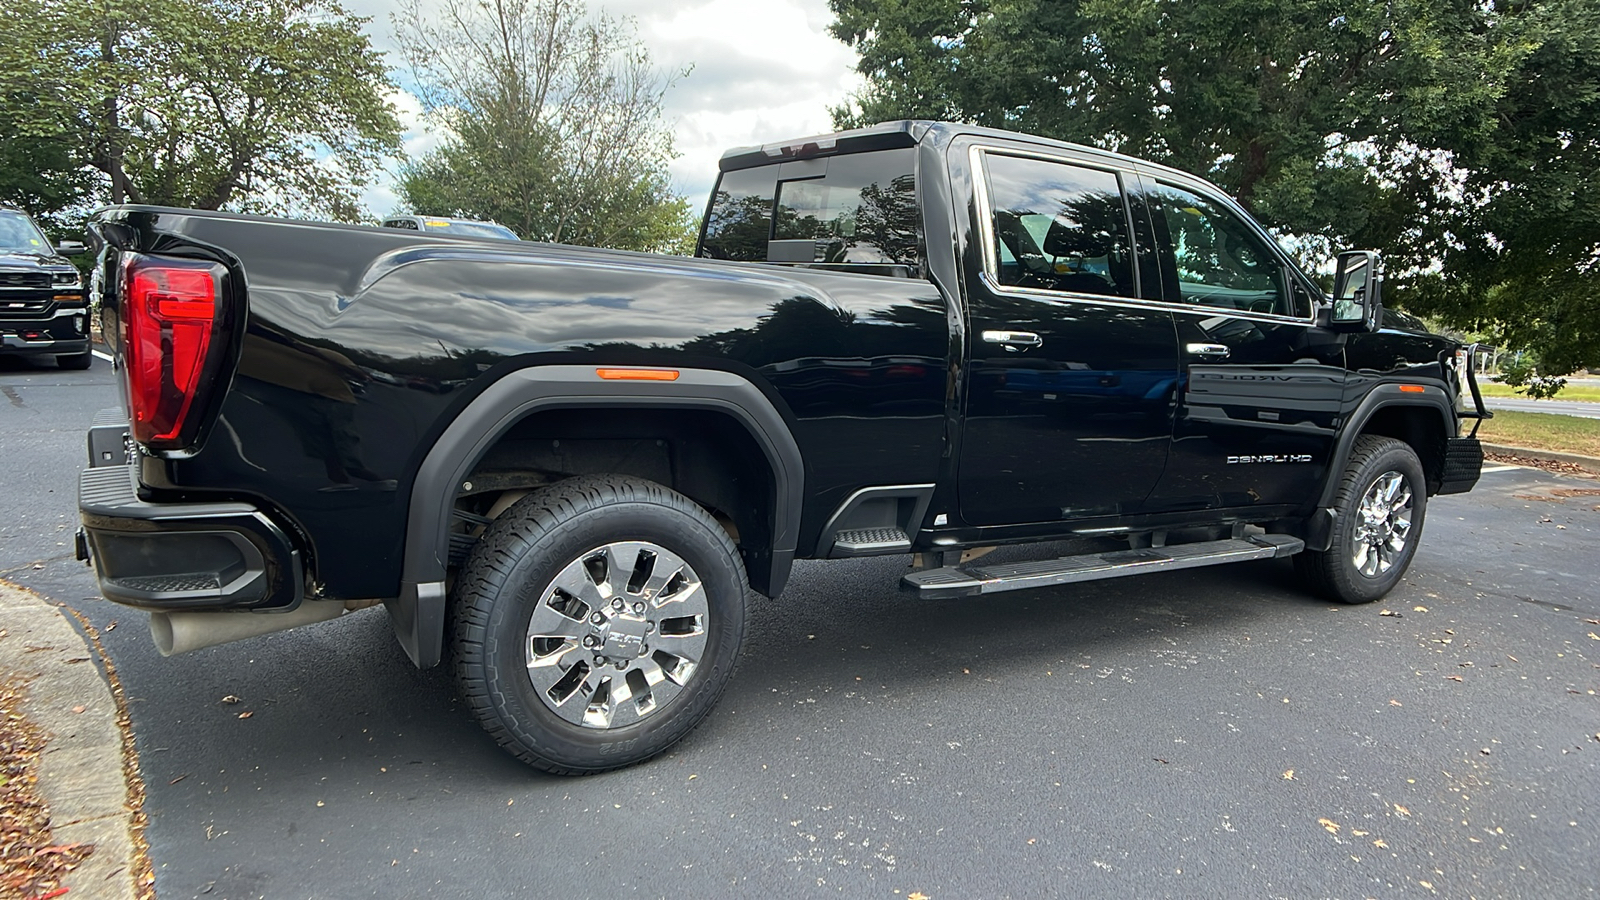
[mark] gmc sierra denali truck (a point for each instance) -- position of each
(564, 470)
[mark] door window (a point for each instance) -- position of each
(1059, 227)
(1213, 258)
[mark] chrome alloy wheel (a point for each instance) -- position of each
(1383, 525)
(617, 634)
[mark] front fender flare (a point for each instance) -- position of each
(418, 613)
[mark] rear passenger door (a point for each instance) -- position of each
(1070, 384)
(1261, 385)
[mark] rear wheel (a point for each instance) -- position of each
(597, 622)
(1380, 504)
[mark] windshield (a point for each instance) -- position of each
(471, 229)
(18, 234)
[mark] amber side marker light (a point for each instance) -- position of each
(638, 374)
(1412, 388)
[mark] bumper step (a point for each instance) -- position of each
(971, 580)
(871, 542)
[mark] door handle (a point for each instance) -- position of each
(1209, 351)
(1013, 340)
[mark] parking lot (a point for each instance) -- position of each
(1212, 733)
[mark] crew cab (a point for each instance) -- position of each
(42, 312)
(564, 470)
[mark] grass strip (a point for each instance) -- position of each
(1543, 431)
(1570, 392)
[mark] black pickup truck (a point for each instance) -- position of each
(564, 469)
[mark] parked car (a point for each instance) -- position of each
(565, 469)
(458, 227)
(42, 312)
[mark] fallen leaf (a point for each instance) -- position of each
(319, 803)
(1401, 810)
(1381, 844)
(179, 778)
(79, 709)
(1395, 703)
(1288, 775)
(1485, 751)
(1328, 825)
(230, 699)
(1390, 613)
(111, 626)
(1359, 833)
(1426, 884)
(1160, 760)
(1032, 841)
(1453, 677)
(916, 895)
(1590, 621)
(1419, 609)
(1594, 637)
(246, 715)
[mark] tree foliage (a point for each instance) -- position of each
(553, 123)
(1460, 136)
(254, 105)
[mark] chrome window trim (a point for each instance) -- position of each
(991, 263)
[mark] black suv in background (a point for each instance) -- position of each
(42, 311)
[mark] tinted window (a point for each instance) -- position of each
(400, 223)
(1217, 259)
(864, 210)
(1059, 227)
(858, 209)
(740, 221)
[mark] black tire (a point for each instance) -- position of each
(77, 361)
(512, 573)
(1334, 573)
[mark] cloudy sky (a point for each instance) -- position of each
(764, 70)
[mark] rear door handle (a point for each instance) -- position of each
(1209, 351)
(1013, 340)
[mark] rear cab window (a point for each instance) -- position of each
(857, 212)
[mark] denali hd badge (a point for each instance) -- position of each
(1271, 458)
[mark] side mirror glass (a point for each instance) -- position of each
(1357, 292)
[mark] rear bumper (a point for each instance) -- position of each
(193, 556)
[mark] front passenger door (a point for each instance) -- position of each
(1261, 386)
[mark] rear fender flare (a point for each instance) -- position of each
(419, 612)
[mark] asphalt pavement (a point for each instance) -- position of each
(1211, 733)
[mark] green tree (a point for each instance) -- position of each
(1460, 136)
(553, 123)
(252, 105)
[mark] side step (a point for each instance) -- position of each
(969, 580)
(871, 542)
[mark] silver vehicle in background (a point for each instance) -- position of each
(459, 227)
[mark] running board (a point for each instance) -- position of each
(969, 580)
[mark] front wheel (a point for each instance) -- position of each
(1380, 504)
(597, 622)
(79, 361)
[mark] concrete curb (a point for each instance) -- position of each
(81, 768)
(1590, 463)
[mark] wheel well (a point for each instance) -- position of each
(1418, 426)
(705, 455)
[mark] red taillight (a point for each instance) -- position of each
(169, 309)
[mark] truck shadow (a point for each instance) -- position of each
(341, 699)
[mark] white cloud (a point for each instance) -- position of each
(763, 70)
